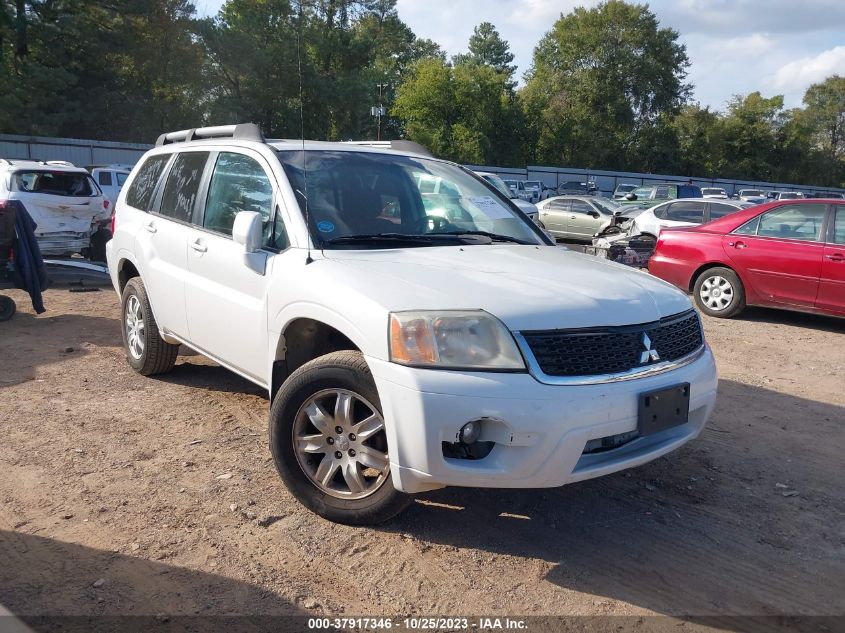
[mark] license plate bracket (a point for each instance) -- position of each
(662, 409)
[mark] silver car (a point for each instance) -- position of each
(577, 217)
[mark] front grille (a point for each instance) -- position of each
(613, 350)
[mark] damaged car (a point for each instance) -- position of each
(69, 208)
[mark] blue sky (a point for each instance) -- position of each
(735, 46)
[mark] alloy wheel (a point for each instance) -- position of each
(135, 327)
(340, 443)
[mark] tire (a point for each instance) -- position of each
(97, 252)
(153, 355)
(719, 292)
(342, 481)
(7, 308)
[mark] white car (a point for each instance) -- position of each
(714, 192)
(526, 207)
(754, 196)
(682, 212)
(519, 189)
(64, 201)
(111, 179)
(403, 352)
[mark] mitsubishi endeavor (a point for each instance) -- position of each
(410, 337)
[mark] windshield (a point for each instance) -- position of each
(533, 184)
(365, 194)
(642, 192)
(56, 183)
(607, 206)
(790, 196)
(625, 188)
(500, 185)
(751, 192)
(709, 191)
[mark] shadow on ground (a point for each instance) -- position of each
(704, 531)
(57, 586)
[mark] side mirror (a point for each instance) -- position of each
(630, 196)
(594, 214)
(247, 231)
(617, 213)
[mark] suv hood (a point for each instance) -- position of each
(527, 287)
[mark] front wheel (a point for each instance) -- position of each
(328, 441)
(719, 293)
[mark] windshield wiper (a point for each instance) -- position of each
(381, 237)
(494, 237)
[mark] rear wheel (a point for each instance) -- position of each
(329, 444)
(147, 352)
(719, 293)
(7, 308)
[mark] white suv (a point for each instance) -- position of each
(403, 351)
(64, 201)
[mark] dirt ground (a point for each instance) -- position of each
(131, 495)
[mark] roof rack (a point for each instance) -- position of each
(398, 145)
(241, 131)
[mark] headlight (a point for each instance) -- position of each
(471, 339)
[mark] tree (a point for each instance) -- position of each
(487, 48)
(825, 115)
(600, 79)
(465, 113)
(700, 138)
(751, 128)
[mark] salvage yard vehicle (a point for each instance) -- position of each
(650, 195)
(755, 196)
(402, 353)
(526, 207)
(677, 213)
(787, 255)
(64, 201)
(577, 217)
(111, 179)
(713, 192)
(622, 189)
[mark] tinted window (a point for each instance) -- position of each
(661, 211)
(183, 182)
(839, 226)
(558, 205)
(579, 206)
(55, 183)
(105, 178)
(718, 210)
(686, 212)
(749, 228)
(238, 184)
(121, 178)
(796, 222)
(662, 192)
(140, 194)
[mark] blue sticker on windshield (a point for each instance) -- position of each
(325, 227)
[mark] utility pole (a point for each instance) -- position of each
(379, 110)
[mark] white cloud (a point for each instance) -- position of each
(797, 75)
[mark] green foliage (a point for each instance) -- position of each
(607, 87)
(602, 80)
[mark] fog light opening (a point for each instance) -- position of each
(470, 432)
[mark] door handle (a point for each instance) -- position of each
(739, 244)
(198, 246)
(150, 227)
(836, 257)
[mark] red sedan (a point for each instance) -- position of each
(788, 254)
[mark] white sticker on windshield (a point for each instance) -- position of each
(490, 207)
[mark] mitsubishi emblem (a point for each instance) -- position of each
(650, 354)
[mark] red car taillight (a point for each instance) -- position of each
(105, 204)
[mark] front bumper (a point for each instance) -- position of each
(540, 431)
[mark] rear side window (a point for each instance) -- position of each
(140, 194)
(105, 178)
(579, 206)
(795, 222)
(55, 183)
(238, 184)
(686, 212)
(182, 186)
(718, 210)
(121, 178)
